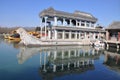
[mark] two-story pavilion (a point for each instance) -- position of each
(60, 25)
(113, 31)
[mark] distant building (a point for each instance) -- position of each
(113, 31)
(60, 25)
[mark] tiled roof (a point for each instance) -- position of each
(114, 25)
(76, 15)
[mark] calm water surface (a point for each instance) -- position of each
(57, 63)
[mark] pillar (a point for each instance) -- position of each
(93, 52)
(63, 21)
(55, 34)
(62, 67)
(117, 46)
(40, 59)
(85, 24)
(55, 55)
(76, 35)
(92, 61)
(68, 65)
(76, 23)
(78, 63)
(49, 34)
(78, 53)
(74, 64)
(55, 21)
(69, 34)
(80, 23)
(85, 35)
(107, 35)
(69, 54)
(88, 62)
(63, 35)
(107, 46)
(62, 54)
(41, 27)
(83, 53)
(83, 63)
(46, 27)
(90, 24)
(94, 36)
(94, 25)
(54, 68)
(75, 54)
(44, 69)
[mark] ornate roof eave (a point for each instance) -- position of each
(114, 26)
(77, 28)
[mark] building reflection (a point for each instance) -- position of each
(112, 59)
(61, 60)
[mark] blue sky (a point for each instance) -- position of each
(25, 12)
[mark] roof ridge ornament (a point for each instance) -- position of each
(82, 13)
(50, 9)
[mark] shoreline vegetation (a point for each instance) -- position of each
(5, 30)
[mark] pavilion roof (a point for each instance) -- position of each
(76, 15)
(114, 26)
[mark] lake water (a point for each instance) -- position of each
(57, 63)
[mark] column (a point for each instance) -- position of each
(90, 24)
(54, 68)
(41, 27)
(41, 32)
(74, 64)
(55, 21)
(62, 67)
(75, 54)
(85, 35)
(49, 34)
(80, 23)
(55, 34)
(55, 55)
(107, 35)
(40, 59)
(63, 35)
(93, 52)
(69, 34)
(69, 54)
(62, 54)
(76, 23)
(94, 25)
(94, 35)
(85, 24)
(68, 65)
(107, 46)
(78, 63)
(76, 35)
(92, 61)
(45, 27)
(83, 63)
(78, 53)
(44, 69)
(63, 21)
(83, 53)
(88, 62)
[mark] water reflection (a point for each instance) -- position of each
(61, 60)
(1, 38)
(112, 59)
